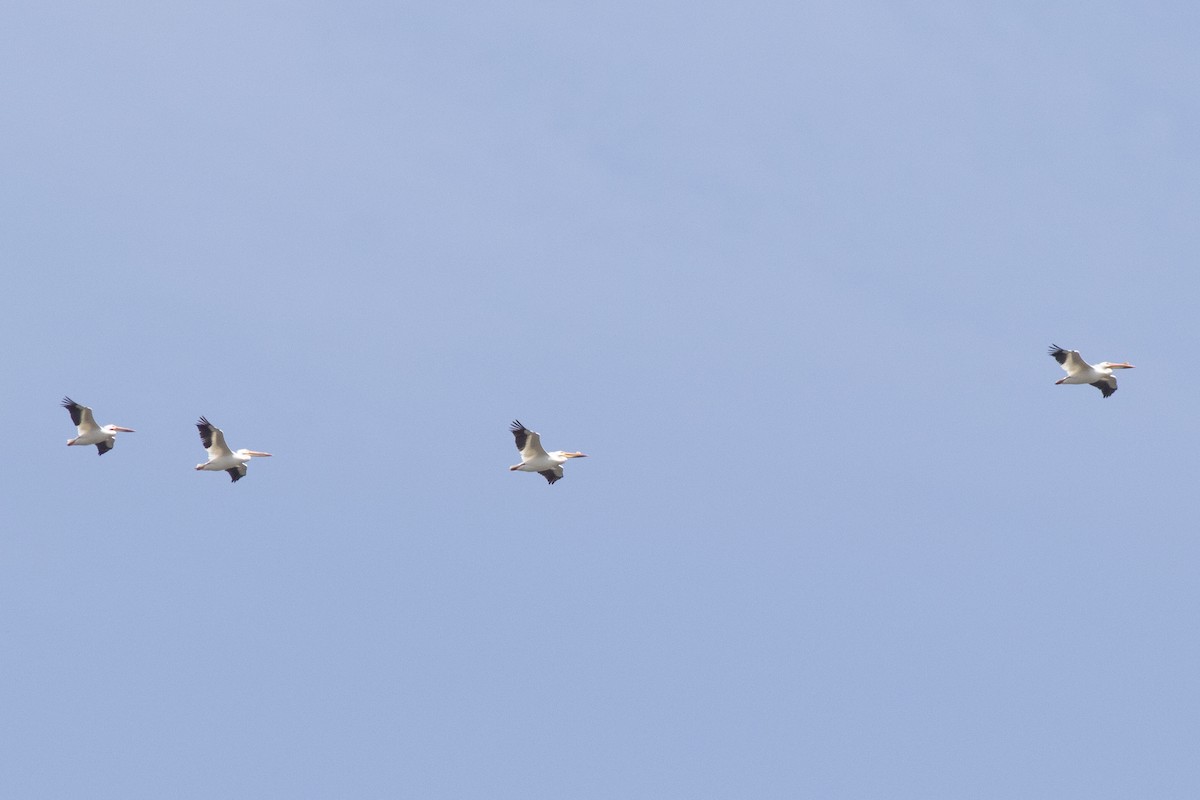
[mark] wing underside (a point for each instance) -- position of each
(528, 442)
(81, 415)
(1069, 360)
(213, 439)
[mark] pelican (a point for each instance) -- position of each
(89, 432)
(220, 457)
(1079, 371)
(534, 457)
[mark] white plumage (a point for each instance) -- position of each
(104, 437)
(220, 457)
(1079, 371)
(534, 457)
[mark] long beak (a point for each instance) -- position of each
(123, 430)
(576, 455)
(257, 454)
(1124, 366)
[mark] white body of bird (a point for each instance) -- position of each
(534, 457)
(220, 457)
(103, 436)
(1079, 371)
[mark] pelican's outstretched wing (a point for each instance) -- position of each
(528, 442)
(1070, 360)
(213, 439)
(81, 415)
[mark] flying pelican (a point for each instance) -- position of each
(89, 432)
(220, 457)
(1079, 371)
(534, 457)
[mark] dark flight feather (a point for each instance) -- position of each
(74, 408)
(206, 428)
(521, 434)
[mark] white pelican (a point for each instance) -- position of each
(89, 432)
(1079, 371)
(220, 457)
(534, 458)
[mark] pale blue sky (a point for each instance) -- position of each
(786, 271)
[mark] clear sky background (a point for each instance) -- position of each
(786, 271)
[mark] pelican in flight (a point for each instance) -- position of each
(89, 432)
(220, 457)
(1079, 371)
(534, 457)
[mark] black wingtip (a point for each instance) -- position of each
(206, 429)
(74, 409)
(520, 434)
